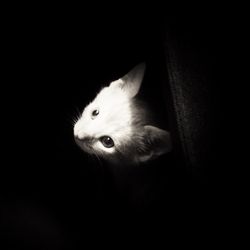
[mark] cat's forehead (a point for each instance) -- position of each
(110, 96)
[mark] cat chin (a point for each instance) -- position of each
(120, 161)
(85, 148)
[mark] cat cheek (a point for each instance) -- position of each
(76, 128)
(103, 150)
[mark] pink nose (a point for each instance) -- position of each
(85, 142)
(82, 136)
(79, 134)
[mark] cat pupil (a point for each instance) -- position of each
(95, 112)
(107, 142)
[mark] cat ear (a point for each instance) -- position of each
(131, 82)
(158, 141)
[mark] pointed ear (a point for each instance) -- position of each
(158, 142)
(131, 82)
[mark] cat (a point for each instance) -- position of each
(117, 126)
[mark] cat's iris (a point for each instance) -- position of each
(95, 113)
(107, 142)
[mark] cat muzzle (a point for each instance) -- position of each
(85, 143)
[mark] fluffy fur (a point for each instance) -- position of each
(123, 118)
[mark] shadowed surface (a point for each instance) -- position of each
(53, 196)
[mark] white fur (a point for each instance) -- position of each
(114, 118)
(124, 121)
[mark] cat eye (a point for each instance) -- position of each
(95, 113)
(107, 142)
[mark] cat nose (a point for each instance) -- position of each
(78, 134)
(81, 136)
(87, 141)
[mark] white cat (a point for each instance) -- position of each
(116, 125)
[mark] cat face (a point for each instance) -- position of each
(113, 125)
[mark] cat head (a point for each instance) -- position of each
(114, 125)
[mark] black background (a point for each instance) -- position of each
(52, 193)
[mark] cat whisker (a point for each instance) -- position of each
(78, 113)
(98, 158)
(76, 116)
(118, 151)
(74, 120)
(71, 120)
